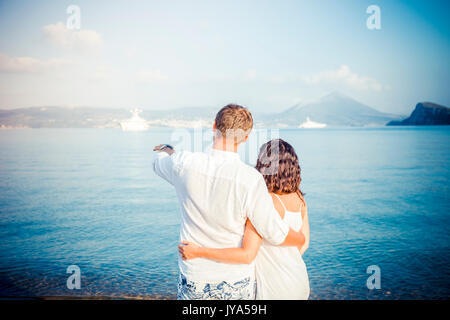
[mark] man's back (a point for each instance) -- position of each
(217, 193)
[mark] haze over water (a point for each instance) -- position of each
(89, 197)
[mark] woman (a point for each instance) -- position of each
(280, 271)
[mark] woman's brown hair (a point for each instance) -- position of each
(279, 165)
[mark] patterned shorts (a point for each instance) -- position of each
(244, 289)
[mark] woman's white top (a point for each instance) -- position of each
(280, 271)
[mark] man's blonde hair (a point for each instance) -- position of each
(234, 122)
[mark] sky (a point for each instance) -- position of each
(266, 55)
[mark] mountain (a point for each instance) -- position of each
(426, 114)
(334, 109)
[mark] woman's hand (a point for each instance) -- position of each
(188, 250)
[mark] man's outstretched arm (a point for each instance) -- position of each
(167, 148)
(163, 164)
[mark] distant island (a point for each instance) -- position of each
(332, 110)
(425, 114)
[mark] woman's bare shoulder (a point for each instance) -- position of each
(277, 204)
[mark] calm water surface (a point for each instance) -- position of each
(89, 197)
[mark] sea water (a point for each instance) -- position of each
(89, 197)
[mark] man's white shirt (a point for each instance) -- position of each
(217, 192)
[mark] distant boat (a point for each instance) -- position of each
(135, 123)
(311, 124)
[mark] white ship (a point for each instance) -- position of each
(311, 124)
(135, 123)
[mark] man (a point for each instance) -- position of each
(217, 194)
